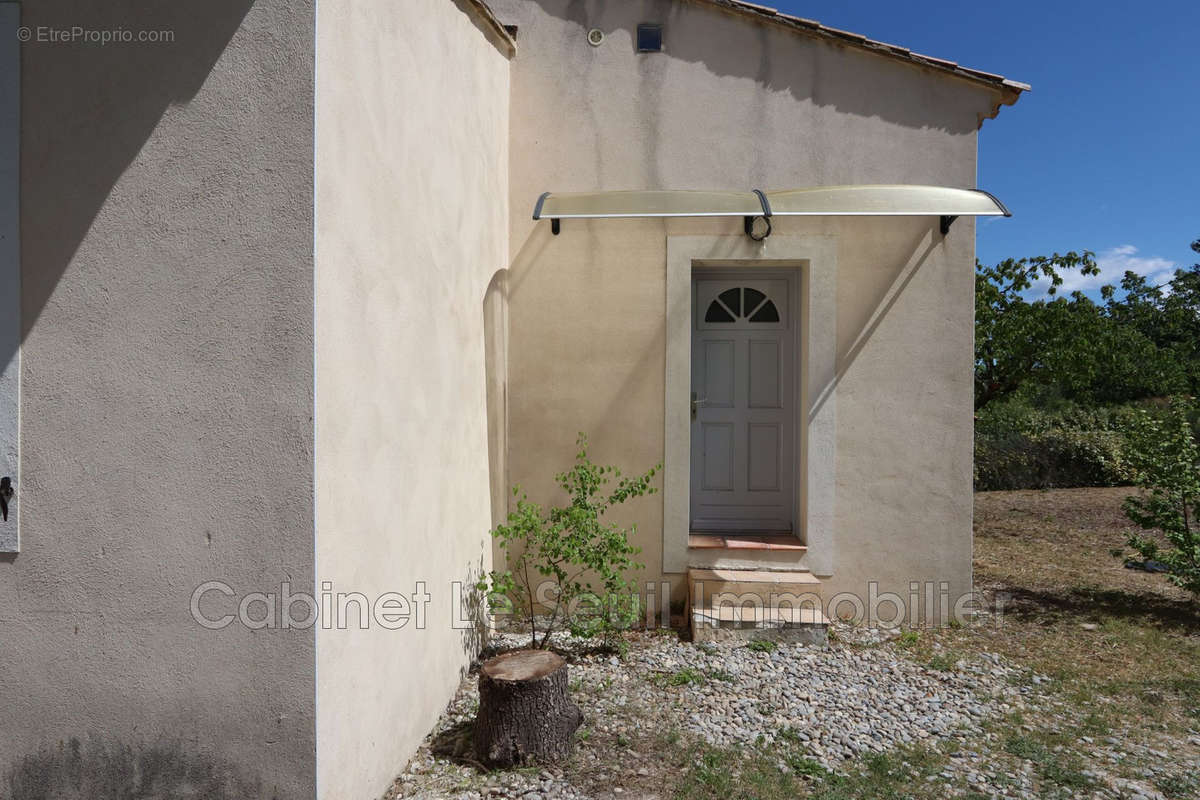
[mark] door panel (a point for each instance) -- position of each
(764, 374)
(743, 412)
(717, 382)
(718, 456)
(764, 447)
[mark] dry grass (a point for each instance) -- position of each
(1045, 542)
(1123, 645)
(1047, 557)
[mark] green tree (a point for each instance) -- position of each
(1096, 360)
(1167, 457)
(1075, 349)
(1167, 315)
(1012, 335)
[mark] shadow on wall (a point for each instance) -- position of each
(473, 638)
(770, 55)
(75, 771)
(921, 246)
(86, 112)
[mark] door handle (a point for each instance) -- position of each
(696, 403)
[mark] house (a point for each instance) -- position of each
(280, 326)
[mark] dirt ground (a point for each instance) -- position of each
(1053, 540)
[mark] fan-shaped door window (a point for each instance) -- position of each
(743, 304)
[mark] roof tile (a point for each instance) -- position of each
(808, 23)
(757, 7)
(932, 60)
(846, 34)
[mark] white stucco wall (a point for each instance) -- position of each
(733, 104)
(166, 434)
(411, 248)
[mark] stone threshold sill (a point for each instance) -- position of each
(712, 541)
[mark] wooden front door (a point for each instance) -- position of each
(742, 402)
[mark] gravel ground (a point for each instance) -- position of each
(852, 697)
(841, 701)
(860, 694)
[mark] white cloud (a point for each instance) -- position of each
(1113, 264)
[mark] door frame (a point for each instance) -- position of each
(794, 275)
(814, 257)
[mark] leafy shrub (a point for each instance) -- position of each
(1057, 458)
(570, 546)
(1021, 447)
(1167, 456)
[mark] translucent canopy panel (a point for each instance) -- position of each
(647, 204)
(757, 209)
(885, 201)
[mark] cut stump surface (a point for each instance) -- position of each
(525, 714)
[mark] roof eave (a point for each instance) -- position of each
(485, 19)
(1009, 90)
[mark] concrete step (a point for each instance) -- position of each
(788, 624)
(705, 583)
(755, 603)
(746, 551)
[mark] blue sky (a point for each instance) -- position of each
(1104, 153)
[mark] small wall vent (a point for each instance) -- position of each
(649, 37)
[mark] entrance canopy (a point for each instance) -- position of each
(828, 201)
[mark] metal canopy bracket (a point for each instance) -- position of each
(748, 221)
(947, 221)
(555, 223)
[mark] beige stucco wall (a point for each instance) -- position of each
(166, 412)
(734, 105)
(411, 248)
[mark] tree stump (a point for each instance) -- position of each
(525, 714)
